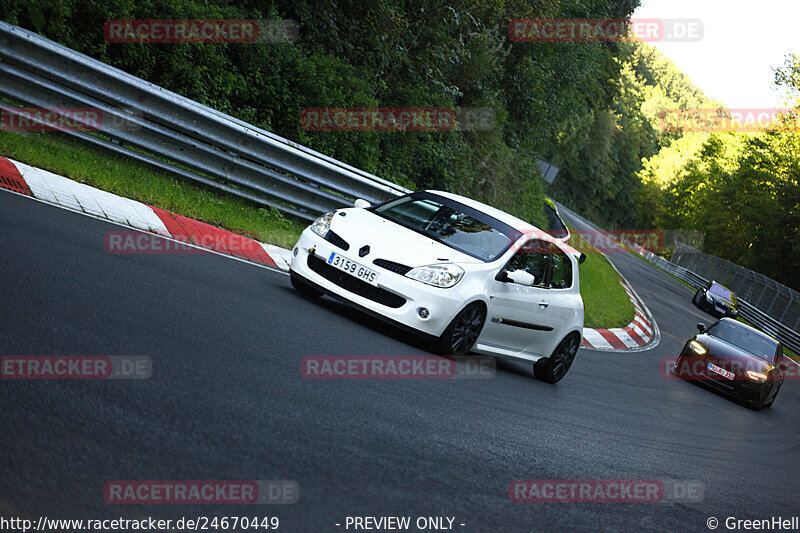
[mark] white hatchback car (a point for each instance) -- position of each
(471, 276)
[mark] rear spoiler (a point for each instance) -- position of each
(580, 256)
(577, 254)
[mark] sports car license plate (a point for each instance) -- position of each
(354, 269)
(721, 371)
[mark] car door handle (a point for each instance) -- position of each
(543, 304)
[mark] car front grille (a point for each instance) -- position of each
(334, 238)
(355, 285)
(397, 268)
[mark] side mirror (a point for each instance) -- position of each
(502, 276)
(361, 203)
(581, 258)
(520, 277)
(701, 327)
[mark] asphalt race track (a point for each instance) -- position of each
(227, 402)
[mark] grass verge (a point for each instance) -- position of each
(605, 301)
(125, 177)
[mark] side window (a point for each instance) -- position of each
(533, 258)
(550, 266)
(562, 271)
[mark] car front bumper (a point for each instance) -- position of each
(716, 310)
(741, 388)
(394, 297)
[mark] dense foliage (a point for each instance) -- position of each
(601, 151)
(442, 53)
(740, 189)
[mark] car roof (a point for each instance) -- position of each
(748, 327)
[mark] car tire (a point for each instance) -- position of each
(555, 367)
(764, 404)
(459, 337)
(303, 287)
(759, 406)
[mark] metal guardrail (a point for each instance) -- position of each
(177, 135)
(753, 315)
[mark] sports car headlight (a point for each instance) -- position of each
(322, 224)
(760, 375)
(756, 376)
(697, 348)
(443, 275)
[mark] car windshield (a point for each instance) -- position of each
(456, 225)
(718, 290)
(745, 339)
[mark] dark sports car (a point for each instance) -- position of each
(717, 300)
(735, 359)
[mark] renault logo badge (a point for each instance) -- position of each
(363, 251)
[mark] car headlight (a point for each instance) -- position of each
(709, 299)
(322, 224)
(756, 376)
(760, 375)
(443, 275)
(697, 348)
